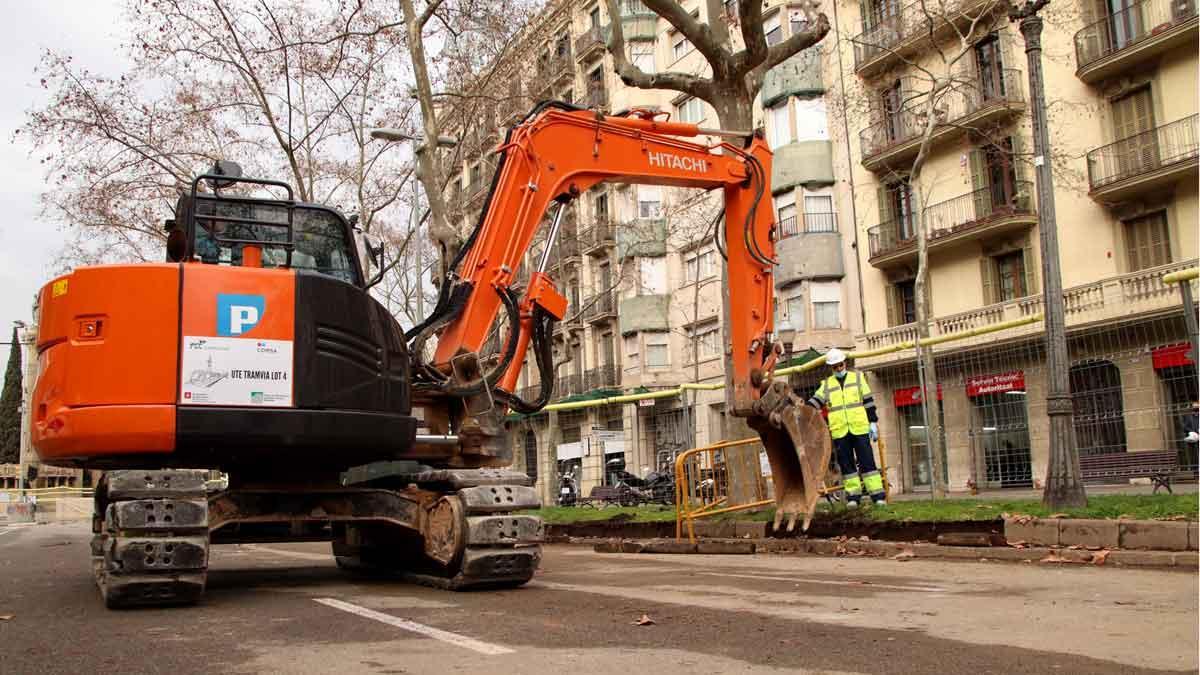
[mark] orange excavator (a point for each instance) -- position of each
(257, 350)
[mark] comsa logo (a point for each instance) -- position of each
(237, 314)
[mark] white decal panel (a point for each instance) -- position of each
(236, 371)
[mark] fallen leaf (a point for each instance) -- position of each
(1074, 547)
(6, 617)
(984, 506)
(1099, 557)
(1118, 602)
(644, 621)
(1126, 516)
(904, 555)
(1017, 544)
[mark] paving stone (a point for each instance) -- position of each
(607, 546)
(725, 547)
(1189, 559)
(1032, 531)
(1141, 558)
(965, 539)
(668, 546)
(1154, 535)
(632, 546)
(1086, 532)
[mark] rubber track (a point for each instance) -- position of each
(151, 548)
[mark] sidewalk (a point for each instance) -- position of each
(1031, 493)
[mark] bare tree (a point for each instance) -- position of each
(734, 77)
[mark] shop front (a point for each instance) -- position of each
(915, 437)
(1176, 370)
(1000, 429)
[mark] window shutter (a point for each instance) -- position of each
(1020, 162)
(986, 271)
(1030, 260)
(893, 315)
(979, 184)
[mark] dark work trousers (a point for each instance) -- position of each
(850, 445)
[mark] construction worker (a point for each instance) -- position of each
(853, 424)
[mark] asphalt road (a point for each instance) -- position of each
(286, 608)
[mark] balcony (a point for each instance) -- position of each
(599, 238)
(591, 43)
(1145, 162)
(964, 217)
(1123, 40)
(595, 98)
(1137, 294)
(910, 29)
(600, 307)
(569, 385)
(896, 139)
(553, 71)
(601, 378)
(808, 246)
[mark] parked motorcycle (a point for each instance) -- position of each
(568, 490)
(658, 487)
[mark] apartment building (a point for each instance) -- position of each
(642, 277)
(1121, 83)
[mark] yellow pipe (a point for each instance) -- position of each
(1181, 275)
(807, 366)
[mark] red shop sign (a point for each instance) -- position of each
(996, 384)
(1171, 356)
(911, 396)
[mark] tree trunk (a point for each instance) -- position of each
(929, 397)
(735, 111)
(441, 231)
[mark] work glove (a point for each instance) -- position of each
(1193, 437)
(874, 431)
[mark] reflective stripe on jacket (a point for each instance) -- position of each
(847, 401)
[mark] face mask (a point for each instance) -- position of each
(840, 374)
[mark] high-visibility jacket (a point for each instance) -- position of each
(850, 403)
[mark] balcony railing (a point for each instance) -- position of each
(1111, 299)
(906, 24)
(592, 39)
(602, 377)
(952, 107)
(569, 385)
(964, 212)
(596, 98)
(599, 236)
(600, 306)
(1142, 153)
(807, 223)
(1128, 27)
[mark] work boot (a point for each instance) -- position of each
(851, 505)
(879, 500)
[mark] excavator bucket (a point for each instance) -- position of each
(798, 447)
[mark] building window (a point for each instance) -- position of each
(1147, 242)
(906, 302)
(691, 111)
(476, 174)
(826, 303)
(773, 29)
(898, 212)
(649, 201)
(797, 19)
(680, 47)
(600, 207)
(631, 352)
(705, 337)
(990, 66)
(1010, 276)
(641, 54)
(1099, 408)
(779, 124)
(658, 351)
(698, 265)
(652, 276)
(811, 120)
(818, 211)
(632, 7)
(796, 314)
(785, 206)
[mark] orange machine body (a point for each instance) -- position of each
(109, 351)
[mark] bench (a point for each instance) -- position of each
(604, 495)
(1157, 465)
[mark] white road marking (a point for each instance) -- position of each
(831, 582)
(326, 557)
(421, 629)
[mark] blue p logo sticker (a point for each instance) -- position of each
(238, 314)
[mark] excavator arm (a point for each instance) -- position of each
(557, 153)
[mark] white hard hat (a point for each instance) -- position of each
(835, 356)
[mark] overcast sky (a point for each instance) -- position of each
(88, 31)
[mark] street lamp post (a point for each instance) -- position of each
(1063, 485)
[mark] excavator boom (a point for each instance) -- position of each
(558, 153)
